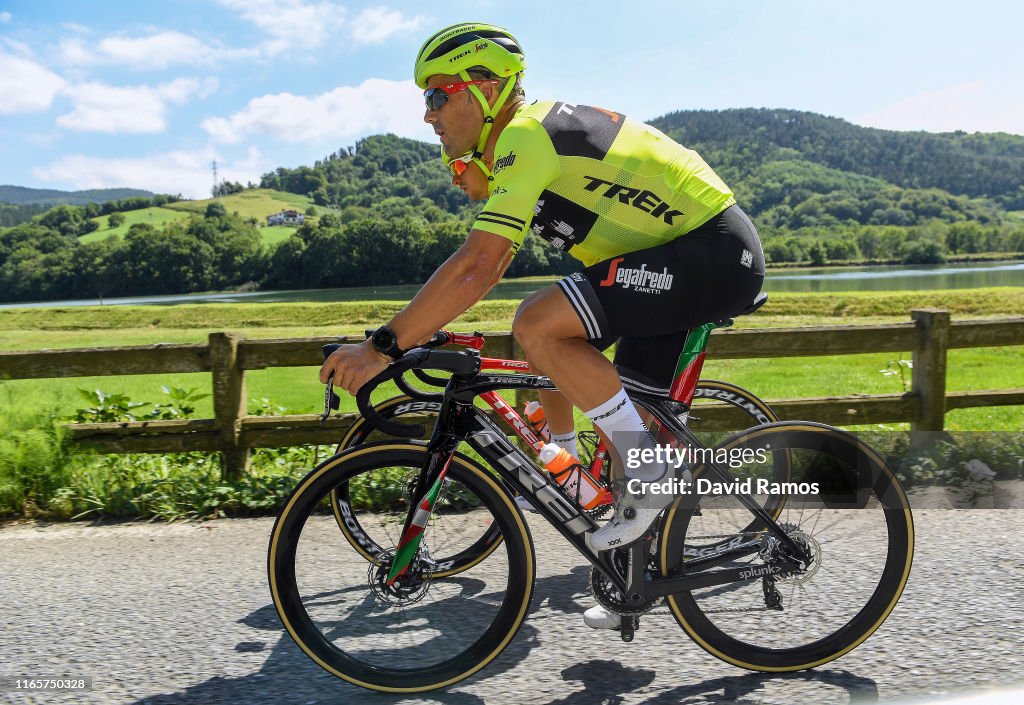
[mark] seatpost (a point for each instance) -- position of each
(691, 362)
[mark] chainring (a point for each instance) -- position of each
(609, 596)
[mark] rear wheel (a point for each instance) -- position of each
(859, 537)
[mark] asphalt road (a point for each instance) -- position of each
(157, 614)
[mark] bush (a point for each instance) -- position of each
(33, 458)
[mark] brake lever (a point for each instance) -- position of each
(331, 400)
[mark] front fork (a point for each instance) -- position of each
(417, 519)
(431, 478)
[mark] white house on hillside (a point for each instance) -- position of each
(286, 218)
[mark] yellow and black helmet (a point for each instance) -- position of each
(455, 49)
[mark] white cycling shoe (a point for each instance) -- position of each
(597, 617)
(634, 514)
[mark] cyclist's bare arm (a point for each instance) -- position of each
(460, 282)
(457, 284)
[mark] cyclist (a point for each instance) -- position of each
(663, 244)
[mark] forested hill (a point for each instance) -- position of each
(791, 170)
(19, 204)
(20, 195)
(819, 189)
(979, 164)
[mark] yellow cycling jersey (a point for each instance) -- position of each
(595, 183)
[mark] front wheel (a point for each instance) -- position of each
(844, 507)
(421, 632)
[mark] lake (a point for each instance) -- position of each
(818, 279)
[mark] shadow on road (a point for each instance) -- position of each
(735, 689)
(289, 676)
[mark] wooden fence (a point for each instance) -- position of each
(929, 335)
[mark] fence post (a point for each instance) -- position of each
(928, 377)
(229, 401)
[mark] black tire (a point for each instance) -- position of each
(351, 646)
(854, 599)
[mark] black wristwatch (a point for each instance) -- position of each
(385, 342)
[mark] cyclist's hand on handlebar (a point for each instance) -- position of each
(353, 366)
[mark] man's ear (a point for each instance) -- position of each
(490, 91)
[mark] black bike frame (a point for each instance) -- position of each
(459, 420)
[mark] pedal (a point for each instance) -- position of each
(630, 623)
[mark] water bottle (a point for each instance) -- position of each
(573, 477)
(535, 413)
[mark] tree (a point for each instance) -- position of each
(115, 219)
(817, 253)
(226, 188)
(215, 210)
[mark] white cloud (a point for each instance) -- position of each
(375, 24)
(374, 106)
(975, 106)
(187, 173)
(134, 109)
(5, 17)
(290, 23)
(18, 48)
(26, 86)
(154, 51)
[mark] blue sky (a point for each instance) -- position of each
(106, 94)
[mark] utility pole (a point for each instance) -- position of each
(214, 193)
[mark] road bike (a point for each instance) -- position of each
(770, 593)
(693, 394)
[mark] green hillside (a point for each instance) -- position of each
(158, 217)
(255, 204)
(21, 195)
(820, 190)
(974, 165)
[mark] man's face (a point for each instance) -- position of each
(459, 121)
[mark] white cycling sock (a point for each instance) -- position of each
(621, 423)
(567, 441)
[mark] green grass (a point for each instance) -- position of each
(350, 316)
(257, 203)
(273, 234)
(157, 217)
(298, 390)
(39, 476)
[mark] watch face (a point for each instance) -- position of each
(384, 339)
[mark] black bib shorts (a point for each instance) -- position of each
(647, 300)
